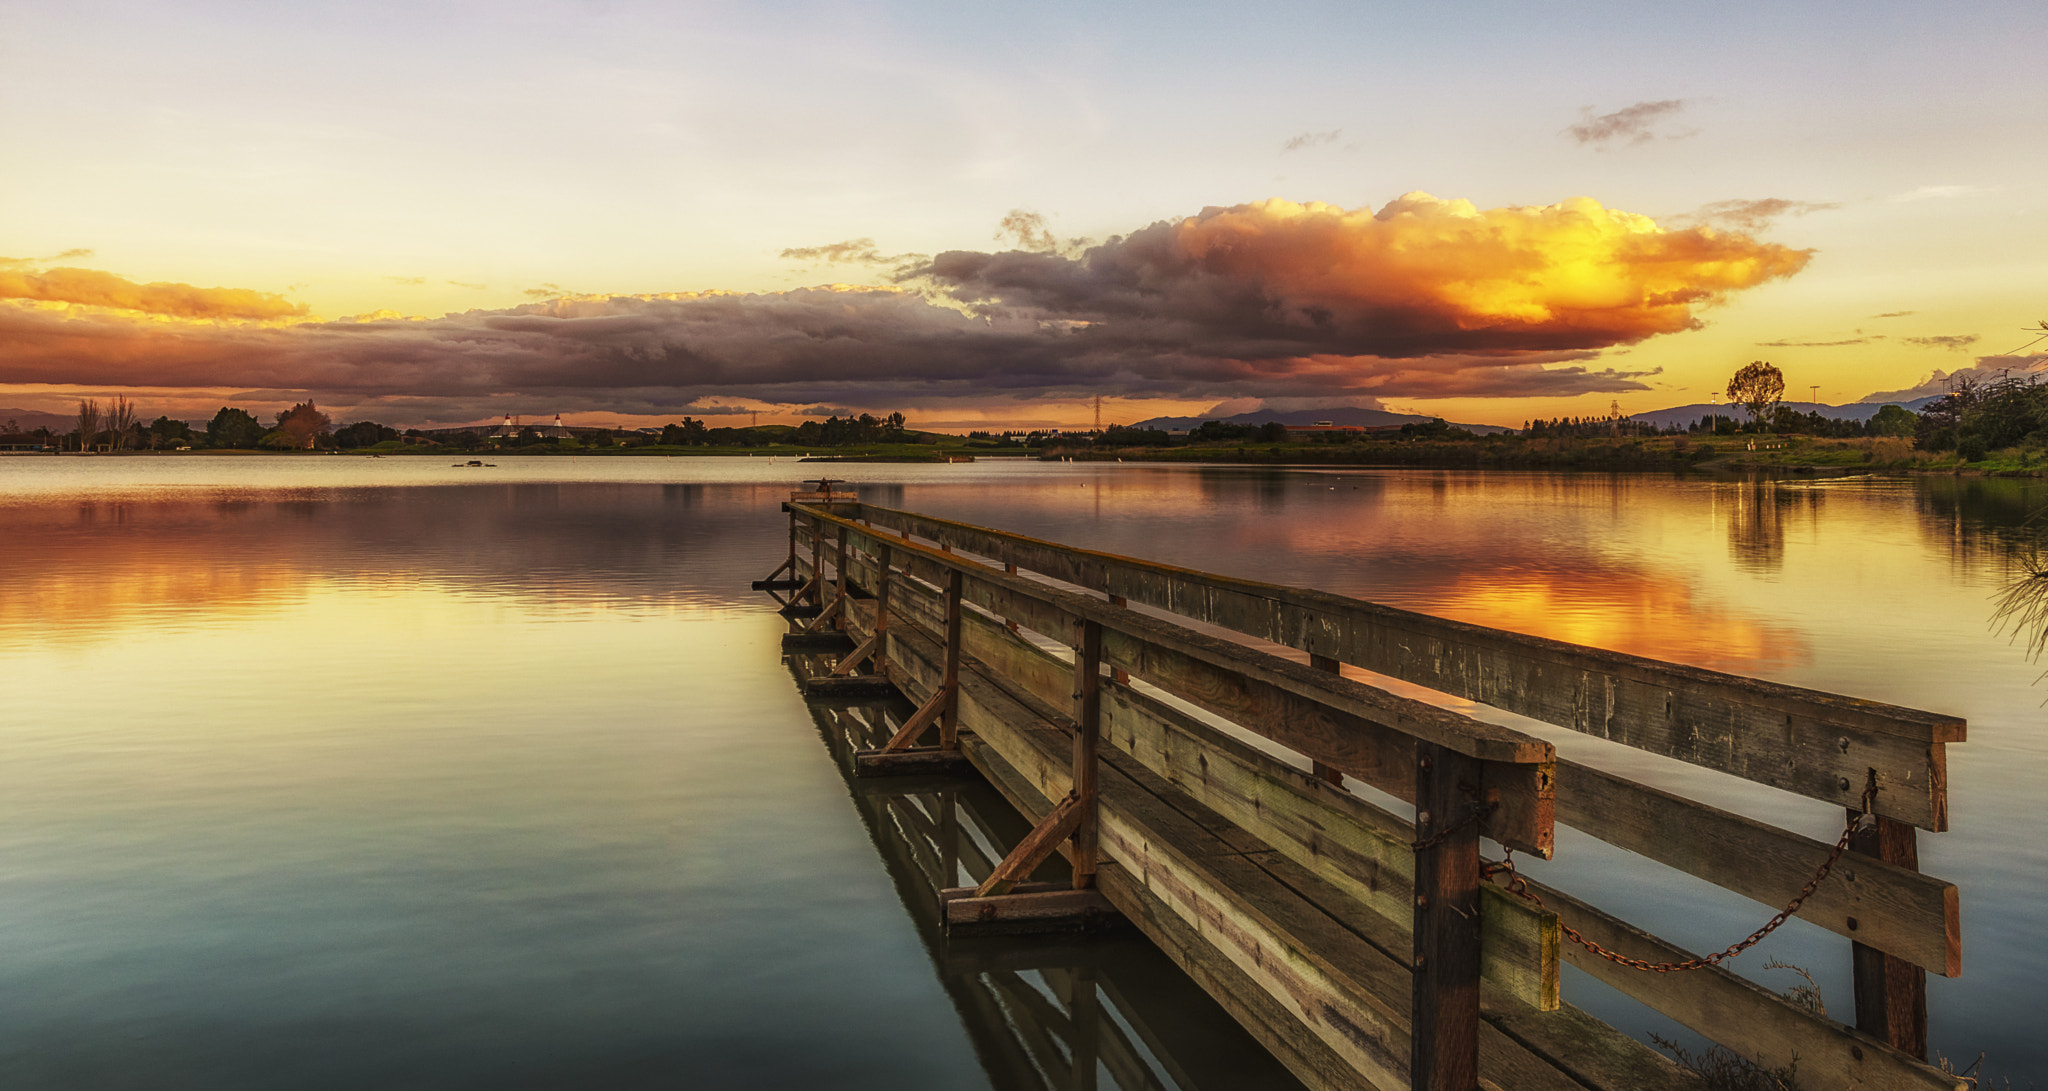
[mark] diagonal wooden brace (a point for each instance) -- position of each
(826, 615)
(934, 707)
(1057, 826)
(855, 657)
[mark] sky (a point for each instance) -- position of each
(987, 217)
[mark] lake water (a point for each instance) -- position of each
(340, 772)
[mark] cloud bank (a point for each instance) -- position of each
(1423, 298)
(90, 287)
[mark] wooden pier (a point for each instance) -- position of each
(1160, 729)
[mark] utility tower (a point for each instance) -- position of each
(1098, 413)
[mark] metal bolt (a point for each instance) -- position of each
(1422, 764)
(1421, 820)
(1420, 959)
(1845, 784)
(1422, 901)
(1852, 924)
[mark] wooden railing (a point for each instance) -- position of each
(1420, 887)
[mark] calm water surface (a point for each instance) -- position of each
(348, 772)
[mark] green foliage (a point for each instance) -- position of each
(234, 428)
(363, 433)
(1757, 388)
(1894, 420)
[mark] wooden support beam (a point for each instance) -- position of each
(1030, 907)
(910, 761)
(826, 615)
(832, 642)
(1032, 851)
(868, 649)
(1087, 740)
(933, 707)
(857, 688)
(1445, 1035)
(1891, 993)
(778, 585)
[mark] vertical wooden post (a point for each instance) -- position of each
(1119, 675)
(792, 545)
(1012, 570)
(1325, 772)
(839, 560)
(949, 720)
(817, 563)
(883, 559)
(1445, 1053)
(1891, 993)
(1087, 729)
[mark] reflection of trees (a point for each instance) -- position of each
(85, 568)
(1756, 526)
(1983, 518)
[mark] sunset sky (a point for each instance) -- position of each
(986, 216)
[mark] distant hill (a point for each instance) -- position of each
(32, 419)
(1339, 415)
(1856, 411)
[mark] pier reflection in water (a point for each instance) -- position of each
(1044, 1015)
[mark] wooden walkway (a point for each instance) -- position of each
(1213, 791)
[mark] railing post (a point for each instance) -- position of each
(840, 561)
(1329, 773)
(883, 559)
(817, 563)
(1445, 1050)
(949, 720)
(1891, 993)
(1087, 729)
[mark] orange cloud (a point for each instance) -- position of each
(1421, 276)
(94, 288)
(1423, 298)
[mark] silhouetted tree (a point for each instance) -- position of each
(1758, 388)
(302, 424)
(233, 428)
(88, 423)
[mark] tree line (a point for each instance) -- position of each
(116, 425)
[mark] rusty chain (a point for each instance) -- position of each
(1519, 886)
(1479, 813)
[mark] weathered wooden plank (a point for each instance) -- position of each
(1034, 907)
(1309, 941)
(1894, 909)
(1350, 726)
(1749, 1019)
(915, 761)
(1358, 848)
(1806, 741)
(1215, 948)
